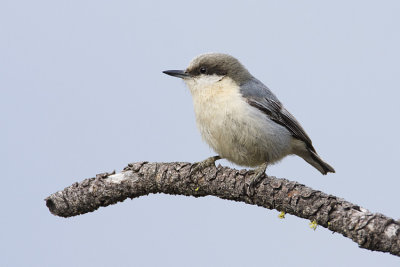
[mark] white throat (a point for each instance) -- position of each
(202, 82)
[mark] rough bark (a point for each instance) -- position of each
(371, 231)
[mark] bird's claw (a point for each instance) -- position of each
(256, 178)
(204, 164)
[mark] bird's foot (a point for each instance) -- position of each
(198, 166)
(256, 178)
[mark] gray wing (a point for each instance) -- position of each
(259, 96)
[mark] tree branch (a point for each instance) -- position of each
(371, 231)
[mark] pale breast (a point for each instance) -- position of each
(234, 129)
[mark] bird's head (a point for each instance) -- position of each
(208, 69)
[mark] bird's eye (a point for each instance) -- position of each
(203, 70)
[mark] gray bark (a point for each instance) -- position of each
(371, 231)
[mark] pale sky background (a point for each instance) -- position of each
(82, 92)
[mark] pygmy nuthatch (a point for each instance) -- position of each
(240, 118)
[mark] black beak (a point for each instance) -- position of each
(177, 73)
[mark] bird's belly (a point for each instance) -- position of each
(239, 132)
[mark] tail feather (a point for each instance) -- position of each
(313, 159)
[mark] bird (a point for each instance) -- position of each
(241, 119)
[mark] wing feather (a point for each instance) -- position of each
(260, 97)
